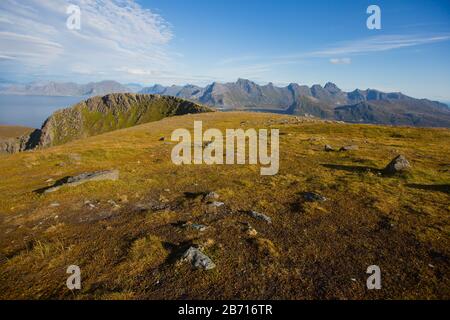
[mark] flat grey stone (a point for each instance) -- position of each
(85, 177)
(260, 216)
(349, 148)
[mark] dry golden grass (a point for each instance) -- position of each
(13, 131)
(311, 250)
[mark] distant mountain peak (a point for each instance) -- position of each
(331, 87)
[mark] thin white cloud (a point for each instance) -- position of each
(113, 33)
(339, 54)
(340, 61)
(378, 44)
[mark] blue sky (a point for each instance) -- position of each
(199, 41)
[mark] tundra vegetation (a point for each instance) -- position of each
(309, 232)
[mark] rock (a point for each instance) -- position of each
(83, 178)
(328, 148)
(27, 141)
(198, 259)
(211, 196)
(214, 206)
(260, 216)
(195, 226)
(54, 204)
(162, 139)
(313, 197)
(349, 148)
(398, 164)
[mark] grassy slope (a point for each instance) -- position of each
(312, 250)
(95, 116)
(13, 131)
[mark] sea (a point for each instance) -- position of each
(31, 111)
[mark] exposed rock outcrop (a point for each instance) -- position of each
(21, 143)
(98, 115)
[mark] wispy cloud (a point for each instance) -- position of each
(115, 35)
(338, 54)
(340, 61)
(378, 44)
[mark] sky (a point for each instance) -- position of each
(198, 42)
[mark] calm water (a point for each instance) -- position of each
(31, 111)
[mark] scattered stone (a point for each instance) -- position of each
(54, 204)
(211, 196)
(328, 148)
(313, 197)
(399, 164)
(198, 259)
(195, 226)
(349, 148)
(216, 204)
(260, 216)
(114, 204)
(85, 177)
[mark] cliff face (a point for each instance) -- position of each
(18, 139)
(111, 112)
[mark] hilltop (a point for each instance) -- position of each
(98, 115)
(332, 213)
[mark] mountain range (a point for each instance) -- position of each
(52, 88)
(327, 102)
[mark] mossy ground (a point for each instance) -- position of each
(129, 248)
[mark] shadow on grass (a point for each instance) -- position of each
(431, 187)
(361, 169)
(176, 251)
(57, 183)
